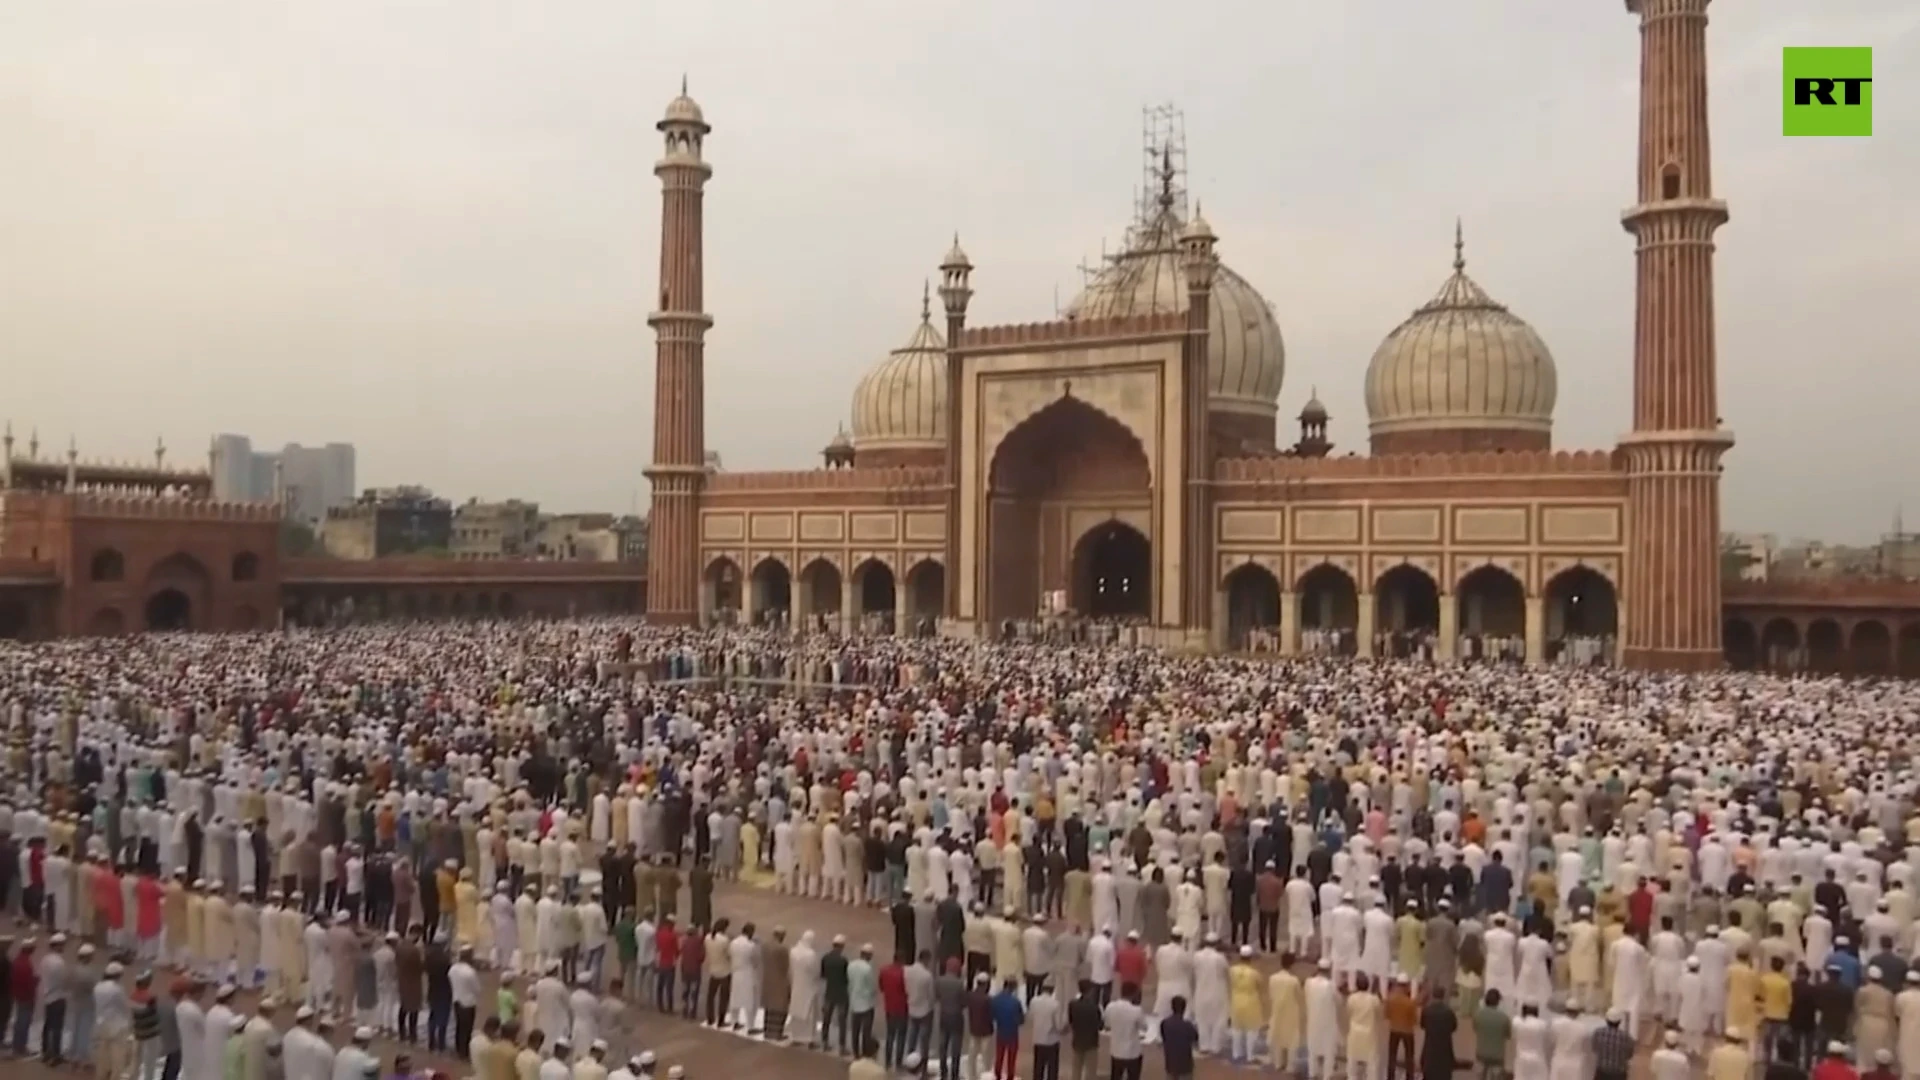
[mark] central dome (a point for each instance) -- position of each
(1246, 360)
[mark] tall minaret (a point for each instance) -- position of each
(1673, 455)
(1198, 262)
(679, 390)
(956, 289)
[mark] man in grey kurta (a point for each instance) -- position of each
(1443, 950)
(1156, 905)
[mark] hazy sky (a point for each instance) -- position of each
(429, 227)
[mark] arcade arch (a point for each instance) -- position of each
(1253, 606)
(1113, 573)
(1329, 610)
(772, 592)
(722, 582)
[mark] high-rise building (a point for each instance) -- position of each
(307, 480)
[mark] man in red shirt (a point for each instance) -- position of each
(1129, 962)
(893, 1002)
(24, 981)
(1640, 909)
(147, 894)
(666, 947)
(1835, 1065)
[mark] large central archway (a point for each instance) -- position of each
(169, 609)
(1113, 573)
(1055, 465)
(177, 591)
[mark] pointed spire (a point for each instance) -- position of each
(33, 445)
(926, 299)
(683, 84)
(1166, 178)
(1459, 247)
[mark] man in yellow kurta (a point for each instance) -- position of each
(1245, 1011)
(1743, 995)
(173, 917)
(1285, 1015)
(196, 953)
(466, 910)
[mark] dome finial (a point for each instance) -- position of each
(926, 300)
(1459, 247)
(1166, 178)
(683, 84)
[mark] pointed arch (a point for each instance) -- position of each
(1582, 602)
(723, 583)
(772, 588)
(1055, 421)
(926, 593)
(1780, 645)
(1741, 643)
(1253, 604)
(1826, 646)
(1113, 572)
(1329, 609)
(1870, 648)
(874, 593)
(1492, 602)
(1406, 600)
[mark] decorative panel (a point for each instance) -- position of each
(1552, 566)
(1490, 525)
(821, 528)
(1348, 564)
(1426, 564)
(1407, 525)
(1338, 525)
(1082, 520)
(1515, 564)
(1250, 525)
(766, 527)
(923, 526)
(732, 561)
(723, 527)
(1272, 564)
(809, 558)
(1580, 525)
(875, 528)
(778, 558)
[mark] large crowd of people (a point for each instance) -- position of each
(249, 857)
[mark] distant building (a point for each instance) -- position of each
(307, 480)
(1749, 556)
(389, 521)
(495, 530)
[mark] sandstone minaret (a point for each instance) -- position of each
(679, 390)
(1198, 262)
(1673, 454)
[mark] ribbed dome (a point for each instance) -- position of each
(683, 109)
(902, 403)
(1246, 360)
(1462, 362)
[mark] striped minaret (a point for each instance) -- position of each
(1673, 454)
(679, 389)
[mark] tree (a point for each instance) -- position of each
(297, 538)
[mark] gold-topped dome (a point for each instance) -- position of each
(1461, 373)
(902, 403)
(1246, 359)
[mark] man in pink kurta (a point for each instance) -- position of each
(147, 894)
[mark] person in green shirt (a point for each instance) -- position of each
(1492, 1028)
(506, 1003)
(626, 940)
(233, 1057)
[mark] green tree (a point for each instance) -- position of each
(297, 538)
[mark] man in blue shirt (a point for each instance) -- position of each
(1178, 1037)
(1008, 1014)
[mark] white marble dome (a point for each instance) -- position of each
(1461, 362)
(1246, 359)
(902, 403)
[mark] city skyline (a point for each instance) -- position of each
(501, 350)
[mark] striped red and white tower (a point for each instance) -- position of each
(1673, 454)
(679, 389)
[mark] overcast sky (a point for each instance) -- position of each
(430, 227)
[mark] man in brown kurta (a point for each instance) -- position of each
(776, 983)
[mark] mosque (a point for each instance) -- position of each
(1128, 458)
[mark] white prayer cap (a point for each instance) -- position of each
(363, 1034)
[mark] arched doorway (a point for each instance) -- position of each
(820, 580)
(1907, 652)
(1780, 646)
(1493, 603)
(1406, 611)
(107, 565)
(1329, 611)
(168, 610)
(13, 620)
(177, 594)
(1871, 650)
(722, 582)
(1741, 644)
(926, 593)
(1826, 647)
(1253, 608)
(772, 585)
(1062, 459)
(1113, 573)
(873, 591)
(1583, 611)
